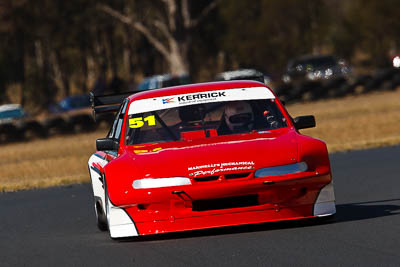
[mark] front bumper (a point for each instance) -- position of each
(285, 197)
(227, 218)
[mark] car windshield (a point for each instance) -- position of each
(204, 121)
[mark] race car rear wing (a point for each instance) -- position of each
(107, 103)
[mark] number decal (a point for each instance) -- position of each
(139, 121)
(151, 120)
(136, 122)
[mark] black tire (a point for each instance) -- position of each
(11, 133)
(101, 217)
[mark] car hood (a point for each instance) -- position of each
(214, 156)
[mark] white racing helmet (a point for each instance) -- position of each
(239, 116)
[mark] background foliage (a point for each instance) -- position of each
(50, 49)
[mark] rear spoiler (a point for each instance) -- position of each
(107, 103)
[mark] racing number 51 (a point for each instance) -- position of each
(139, 121)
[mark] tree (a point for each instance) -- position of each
(168, 26)
(266, 33)
(377, 26)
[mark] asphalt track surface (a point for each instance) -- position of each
(56, 227)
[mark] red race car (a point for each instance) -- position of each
(206, 155)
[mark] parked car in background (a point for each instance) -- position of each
(71, 103)
(244, 74)
(315, 74)
(164, 80)
(11, 112)
(16, 124)
(315, 68)
(71, 114)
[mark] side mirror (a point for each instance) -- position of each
(104, 144)
(303, 122)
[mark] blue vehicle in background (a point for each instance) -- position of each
(71, 103)
(16, 124)
(11, 112)
(71, 114)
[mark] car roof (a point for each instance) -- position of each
(197, 87)
(227, 75)
(8, 107)
(306, 58)
(311, 57)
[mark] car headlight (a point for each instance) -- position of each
(396, 62)
(281, 170)
(286, 78)
(311, 76)
(160, 182)
(328, 73)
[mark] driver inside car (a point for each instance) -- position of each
(238, 117)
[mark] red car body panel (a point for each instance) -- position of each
(216, 197)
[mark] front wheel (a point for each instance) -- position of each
(101, 217)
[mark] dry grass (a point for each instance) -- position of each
(57, 161)
(355, 122)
